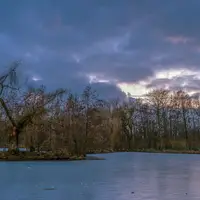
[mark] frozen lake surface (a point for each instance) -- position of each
(122, 176)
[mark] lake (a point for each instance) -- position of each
(122, 176)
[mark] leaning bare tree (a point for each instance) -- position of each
(9, 81)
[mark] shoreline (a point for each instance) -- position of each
(165, 151)
(46, 157)
(170, 151)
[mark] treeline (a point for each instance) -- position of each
(78, 124)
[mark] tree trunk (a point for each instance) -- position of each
(16, 136)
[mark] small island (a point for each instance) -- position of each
(15, 155)
(62, 125)
(26, 155)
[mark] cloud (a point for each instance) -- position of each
(108, 90)
(178, 39)
(123, 45)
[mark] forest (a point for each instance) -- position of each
(78, 124)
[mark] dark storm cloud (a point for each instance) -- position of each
(108, 90)
(125, 40)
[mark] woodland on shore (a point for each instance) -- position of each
(71, 125)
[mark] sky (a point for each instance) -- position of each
(117, 46)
